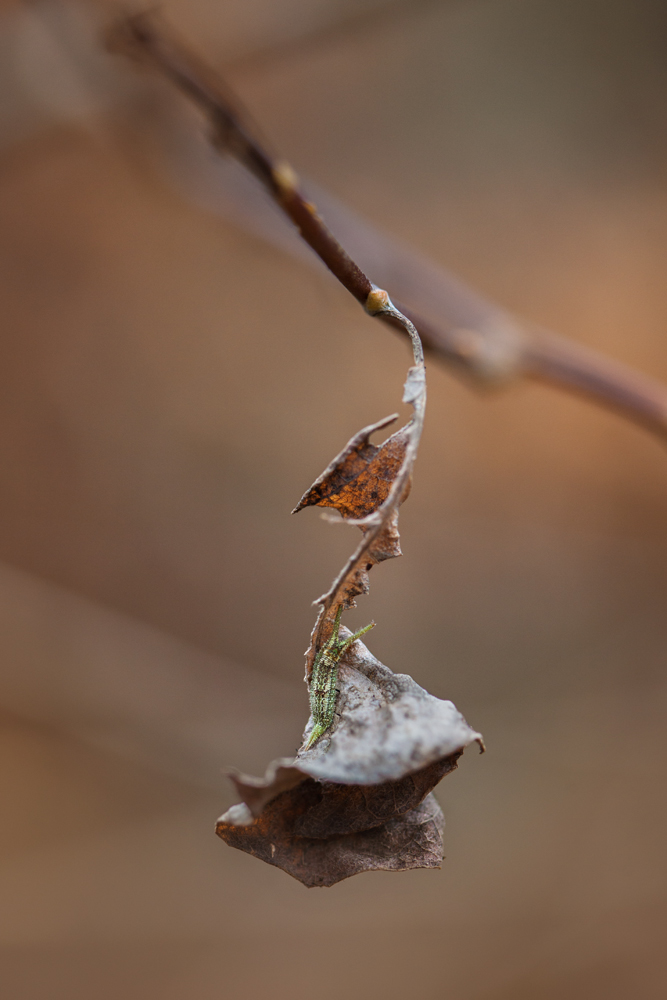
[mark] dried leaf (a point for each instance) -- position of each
(344, 809)
(358, 480)
(360, 798)
(413, 840)
(360, 792)
(356, 484)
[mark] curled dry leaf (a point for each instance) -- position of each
(359, 479)
(357, 797)
(356, 484)
(360, 799)
(386, 725)
(413, 840)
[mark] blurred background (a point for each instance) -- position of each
(171, 384)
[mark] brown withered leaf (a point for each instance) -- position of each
(412, 840)
(345, 805)
(344, 809)
(358, 480)
(356, 483)
(340, 808)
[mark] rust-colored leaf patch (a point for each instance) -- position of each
(358, 480)
(356, 484)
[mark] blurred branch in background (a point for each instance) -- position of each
(130, 689)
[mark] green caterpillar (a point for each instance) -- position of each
(322, 689)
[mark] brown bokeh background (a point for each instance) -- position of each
(170, 385)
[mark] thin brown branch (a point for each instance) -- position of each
(147, 37)
(471, 335)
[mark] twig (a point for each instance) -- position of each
(147, 37)
(486, 344)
